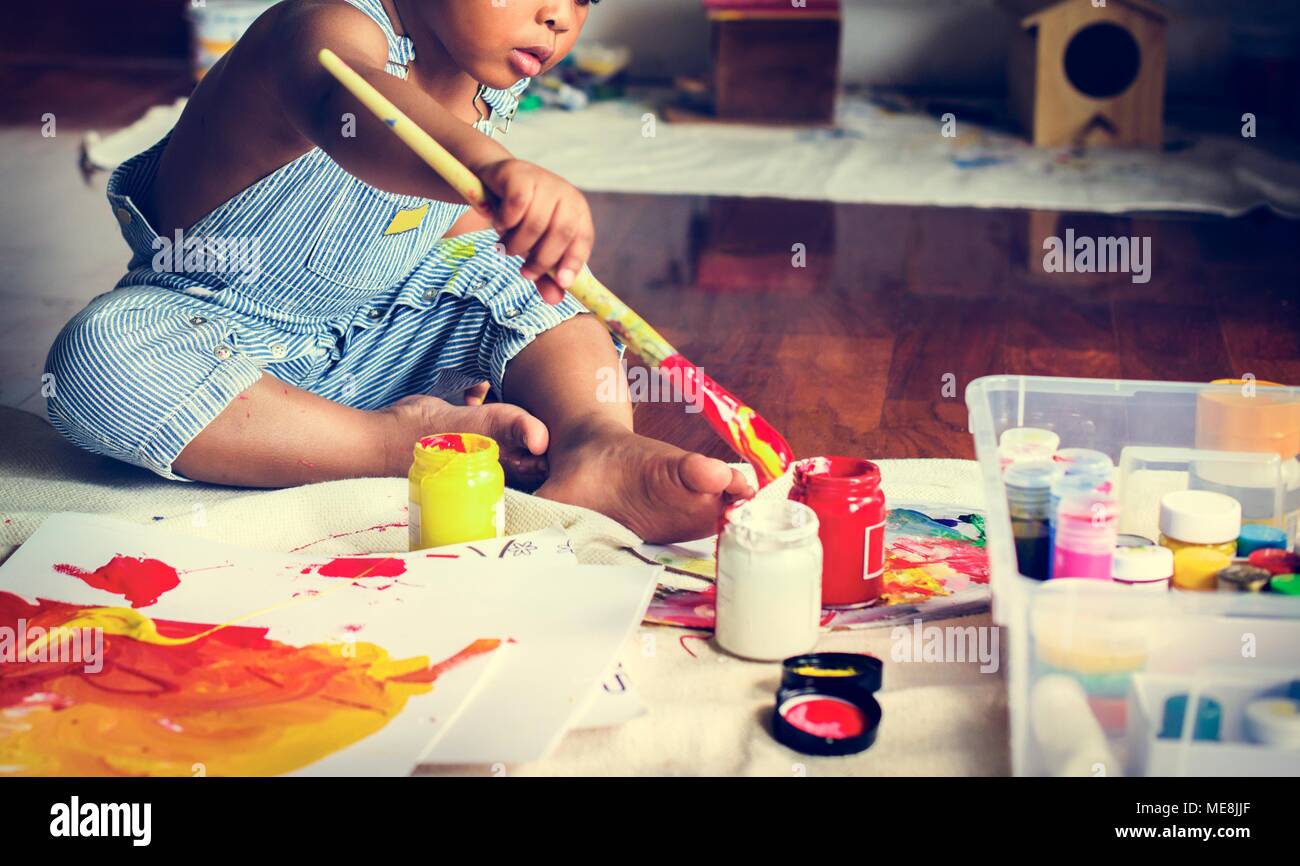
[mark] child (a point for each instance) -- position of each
(322, 354)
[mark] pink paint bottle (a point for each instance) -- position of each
(1087, 530)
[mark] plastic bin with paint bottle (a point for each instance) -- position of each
(1106, 679)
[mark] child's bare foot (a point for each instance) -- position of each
(521, 437)
(657, 490)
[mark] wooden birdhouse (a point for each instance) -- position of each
(1089, 72)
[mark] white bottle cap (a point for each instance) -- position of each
(1200, 517)
(1148, 567)
(1026, 443)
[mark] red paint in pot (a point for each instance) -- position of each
(845, 492)
(824, 716)
(444, 442)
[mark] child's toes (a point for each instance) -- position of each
(530, 433)
(701, 474)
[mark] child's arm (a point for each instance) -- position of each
(540, 216)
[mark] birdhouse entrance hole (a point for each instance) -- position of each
(1102, 60)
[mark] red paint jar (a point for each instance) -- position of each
(845, 492)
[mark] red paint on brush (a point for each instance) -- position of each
(445, 442)
(826, 717)
(736, 422)
(355, 567)
(139, 581)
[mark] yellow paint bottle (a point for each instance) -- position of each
(1200, 518)
(1197, 568)
(457, 490)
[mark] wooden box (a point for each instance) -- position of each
(774, 63)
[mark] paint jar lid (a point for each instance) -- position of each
(1029, 482)
(1085, 461)
(1027, 443)
(1275, 561)
(1129, 539)
(826, 719)
(1243, 578)
(1287, 584)
(816, 669)
(1200, 517)
(1258, 536)
(1142, 565)
(1074, 484)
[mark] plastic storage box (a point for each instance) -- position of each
(1114, 641)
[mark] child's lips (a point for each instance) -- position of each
(525, 63)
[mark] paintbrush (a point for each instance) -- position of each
(735, 421)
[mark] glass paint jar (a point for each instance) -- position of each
(1197, 568)
(457, 490)
(769, 580)
(1087, 528)
(1200, 518)
(1029, 486)
(850, 506)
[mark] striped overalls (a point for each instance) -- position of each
(310, 276)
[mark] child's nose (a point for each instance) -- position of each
(557, 16)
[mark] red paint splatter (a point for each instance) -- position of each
(139, 581)
(304, 462)
(377, 528)
(355, 567)
(445, 442)
(682, 641)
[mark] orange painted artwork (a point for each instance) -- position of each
(182, 699)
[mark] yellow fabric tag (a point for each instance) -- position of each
(407, 220)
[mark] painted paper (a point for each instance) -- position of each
(300, 663)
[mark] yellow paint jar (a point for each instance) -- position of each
(1196, 568)
(1200, 518)
(457, 490)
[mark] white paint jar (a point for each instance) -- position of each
(769, 580)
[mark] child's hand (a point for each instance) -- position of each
(542, 217)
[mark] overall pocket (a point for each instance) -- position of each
(370, 238)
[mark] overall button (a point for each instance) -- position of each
(222, 352)
(374, 315)
(430, 294)
(278, 351)
(512, 312)
(197, 320)
(123, 216)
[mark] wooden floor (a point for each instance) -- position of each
(851, 354)
(867, 348)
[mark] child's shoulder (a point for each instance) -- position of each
(299, 28)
